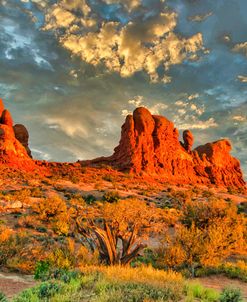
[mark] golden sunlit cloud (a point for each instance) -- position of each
(241, 48)
(142, 44)
(242, 79)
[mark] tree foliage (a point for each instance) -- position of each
(209, 233)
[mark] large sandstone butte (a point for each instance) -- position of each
(14, 150)
(150, 145)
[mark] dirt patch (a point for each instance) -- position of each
(11, 284)
(220, 282)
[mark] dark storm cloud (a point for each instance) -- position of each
(74, 110)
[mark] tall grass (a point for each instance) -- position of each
(143, 274)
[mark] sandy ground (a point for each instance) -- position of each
(12, 284)
(220, 282)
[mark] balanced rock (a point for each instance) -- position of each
(188, 140)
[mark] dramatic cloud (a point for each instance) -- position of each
(143, 43)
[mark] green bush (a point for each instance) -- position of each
(231, 295)
(233, 271)
(3, 297)
(48, 289)
(42, 270)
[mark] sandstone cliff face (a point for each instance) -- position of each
(150, 144)
(12, 152)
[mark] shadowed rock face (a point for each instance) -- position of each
(150, 144)
(12, 151)
(22, 135)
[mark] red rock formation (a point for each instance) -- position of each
(150, 144)
(12, 152)
(219, 165)
(22, 135)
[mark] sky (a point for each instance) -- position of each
(71, 70)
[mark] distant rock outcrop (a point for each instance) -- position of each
(150, 144)
(12, 151)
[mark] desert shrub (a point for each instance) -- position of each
(48, 208)
(48, 289)
(37, 192)
(148, 257)
(3, 298)
(202, 213)
(42, 269)
(242, 208)
(10, 244)
(27, 221)
(230, 295)
(111, 196)
(44, 292)
(18, 251)
(90, 199)
(63, 256)
(54, 210)
(236, 270)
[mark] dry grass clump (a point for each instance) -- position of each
(142, 274)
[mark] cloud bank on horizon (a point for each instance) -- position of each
(72, 69)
